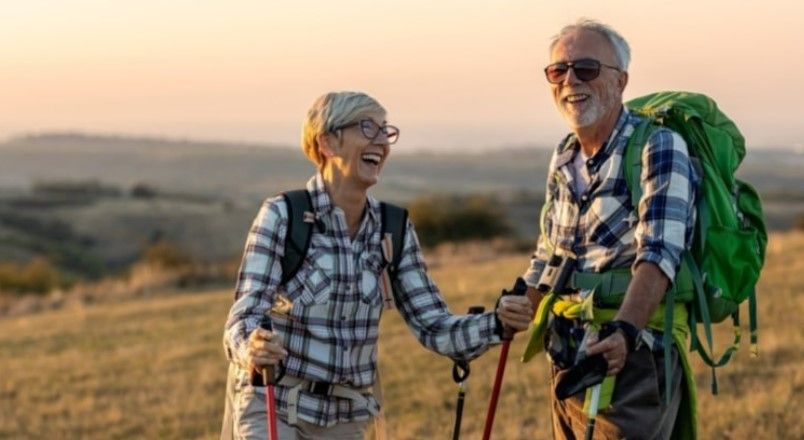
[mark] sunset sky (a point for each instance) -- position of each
(453, 74)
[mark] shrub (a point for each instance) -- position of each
(443, 218)
(87, 188)
(165, 255)
(37, 276)
(144, 191)
(799, 224)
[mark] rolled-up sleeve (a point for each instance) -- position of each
(258, 278)
(667, 206)
(426, 314)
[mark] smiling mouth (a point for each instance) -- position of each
(576, 98)
(372, 158)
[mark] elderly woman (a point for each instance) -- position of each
(325, 319)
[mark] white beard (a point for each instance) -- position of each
(594, 111)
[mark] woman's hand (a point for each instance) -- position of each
(264, 349)
(515, 312)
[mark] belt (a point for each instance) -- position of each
(358, 395)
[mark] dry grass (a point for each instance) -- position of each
(153, 367)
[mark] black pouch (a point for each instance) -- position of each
(587, 372)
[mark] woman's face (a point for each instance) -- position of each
(358, 157)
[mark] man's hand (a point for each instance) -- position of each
(515, 312)
(643, 297)
(264, 349)
(614, 349)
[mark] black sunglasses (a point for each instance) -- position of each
(371, 130)
(586, 69)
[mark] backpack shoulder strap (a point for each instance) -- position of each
(299, 232)
(632, 159)
(394, 222)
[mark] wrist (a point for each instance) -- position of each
(499, 328)
(629, 331)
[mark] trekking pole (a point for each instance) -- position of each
(592, 416)
(265, 377)
(460, 372)
(519, 289)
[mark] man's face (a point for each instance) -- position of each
(584, 104)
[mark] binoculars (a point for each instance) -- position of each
(556, 273)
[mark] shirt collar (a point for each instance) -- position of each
(569, 146)
(322, 201)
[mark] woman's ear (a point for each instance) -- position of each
(325, 144)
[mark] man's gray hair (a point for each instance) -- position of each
(329, 112)
(621, 48)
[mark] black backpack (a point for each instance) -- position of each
(393, 218)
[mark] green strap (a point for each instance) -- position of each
(536, 340)
(633, 160)
(702, 311)
(752, 322)
(615, 282)
(667, 341)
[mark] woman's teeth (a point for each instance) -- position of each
(373, 158)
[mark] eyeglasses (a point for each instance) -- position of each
(585, 69)
(371, 130)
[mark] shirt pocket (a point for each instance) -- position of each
(371, 273)
(315, 279)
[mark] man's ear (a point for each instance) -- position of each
(326, 144)
(623, 81)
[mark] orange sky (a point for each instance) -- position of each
(453, 74)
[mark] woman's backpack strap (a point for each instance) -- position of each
(300, 228)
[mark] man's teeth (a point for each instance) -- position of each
(372, 157)
(576, 98)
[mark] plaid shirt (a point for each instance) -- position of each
(601, 227)
(332, 329)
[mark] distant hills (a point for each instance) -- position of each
(94, 203)
(255, 170)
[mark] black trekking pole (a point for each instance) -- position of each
(460, 372)
(519, 289)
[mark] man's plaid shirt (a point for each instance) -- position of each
(331, 331)
(601, 227)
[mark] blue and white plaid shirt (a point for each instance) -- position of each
(331, 331)
(600, 226)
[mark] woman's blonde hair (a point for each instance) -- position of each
(329, 112)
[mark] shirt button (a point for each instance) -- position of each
(590, 162)
(584, 197)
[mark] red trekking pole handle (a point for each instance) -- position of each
(519, 289)
(265, 377)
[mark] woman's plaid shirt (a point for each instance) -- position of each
(601, 227)
(331, 330)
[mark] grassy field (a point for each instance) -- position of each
(154, 368)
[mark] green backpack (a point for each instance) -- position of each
(728, 247)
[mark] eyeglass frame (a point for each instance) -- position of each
(380, 129)
(571, 66)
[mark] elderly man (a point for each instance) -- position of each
(589, 222)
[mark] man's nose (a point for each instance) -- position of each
(570, 77)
